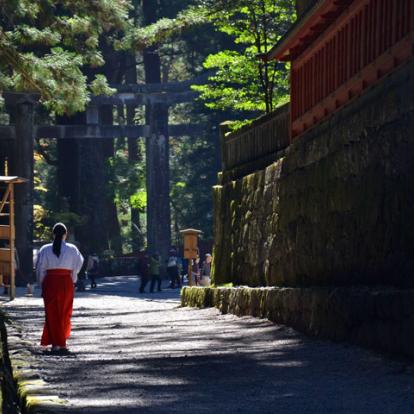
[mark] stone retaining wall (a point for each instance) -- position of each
(381, 318)
(336, 209)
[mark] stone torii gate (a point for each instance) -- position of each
(22, 131)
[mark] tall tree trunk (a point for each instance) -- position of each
(21, 164)
(133, 152)
(157, 152)
(114, 230)
(96, 233)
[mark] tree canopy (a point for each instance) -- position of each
(45, 45)
(242, 81)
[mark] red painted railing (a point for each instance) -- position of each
(367, 41)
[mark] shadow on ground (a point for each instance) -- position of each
(142, 353)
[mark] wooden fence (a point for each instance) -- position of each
(267, 135)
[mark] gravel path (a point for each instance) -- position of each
(144, 354)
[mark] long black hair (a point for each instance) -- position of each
(59, 230)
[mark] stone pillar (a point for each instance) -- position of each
(22, 108)
(156, 148)
(158, 175)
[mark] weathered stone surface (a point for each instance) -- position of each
(23, 387)
(378, 318)
(335, 209)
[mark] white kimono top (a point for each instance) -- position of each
(70, 258)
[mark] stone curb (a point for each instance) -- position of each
(378, 318)
(33, 393)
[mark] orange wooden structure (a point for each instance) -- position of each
(7, 233)
(338, 49)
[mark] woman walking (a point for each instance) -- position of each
(58, 265)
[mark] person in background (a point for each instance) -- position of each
(58, 265)
(182, 268)
(155, 272)
(143, 271)
(80, 284)
(173, 270)
(196, 270)
(92, 269)
(206, 270)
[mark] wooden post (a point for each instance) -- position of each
(12, 288)
(190, 272)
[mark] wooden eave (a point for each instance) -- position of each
(190, 231)
(307, 29)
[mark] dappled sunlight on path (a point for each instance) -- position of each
(143, 353)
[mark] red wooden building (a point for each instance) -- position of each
(338, 49)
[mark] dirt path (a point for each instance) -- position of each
(143, 354)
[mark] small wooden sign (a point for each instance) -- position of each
(190, 249)
(190, 243)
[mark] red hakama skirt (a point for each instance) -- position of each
(58, 292)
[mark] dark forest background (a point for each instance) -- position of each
(69, 51)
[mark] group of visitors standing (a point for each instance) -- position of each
(149, 269)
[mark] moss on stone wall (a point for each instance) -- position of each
(336, 209)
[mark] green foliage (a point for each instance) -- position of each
(126, 179)
(139, 200)
(236, 125)
(57, 75)
(163, 30)
(99, 86)
(128, 185)
(242, 81)
(45, 45)
(47, 210)
(193, 172)
(234, 84)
